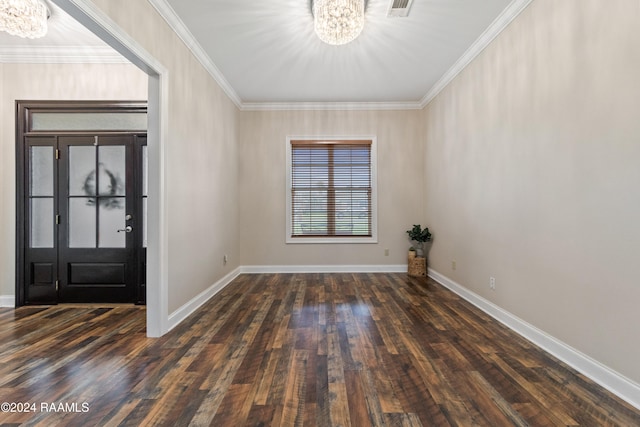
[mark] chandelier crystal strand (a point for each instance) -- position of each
(338, 22)
(23, 18)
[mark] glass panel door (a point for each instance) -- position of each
(81, 204)
(40, 204)
(98, 212)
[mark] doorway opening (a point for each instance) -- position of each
(86, 12)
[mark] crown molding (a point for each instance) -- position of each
(60, 55)
(106, 55)
(174, 21)
(297, 106)
(496, 27)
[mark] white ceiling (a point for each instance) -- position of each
(265, 53)
(268, 53)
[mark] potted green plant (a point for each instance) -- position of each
(419, 237)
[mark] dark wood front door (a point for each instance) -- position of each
(96, 255)
(82, 230)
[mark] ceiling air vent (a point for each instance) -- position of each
(399, 8)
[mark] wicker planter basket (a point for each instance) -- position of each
(417, 267)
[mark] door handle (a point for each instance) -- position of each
(127, 229)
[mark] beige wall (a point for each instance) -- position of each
(262, 190)
(533, 173)
(201, 174)
(48, 81)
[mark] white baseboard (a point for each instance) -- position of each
(611, 380)
(187, 309)
(261, 269)
(7, 301)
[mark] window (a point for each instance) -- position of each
(331, 191)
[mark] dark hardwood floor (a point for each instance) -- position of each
(292, 349)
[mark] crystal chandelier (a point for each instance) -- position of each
(24, 18)
(338, 21)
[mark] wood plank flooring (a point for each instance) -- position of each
(292, 350)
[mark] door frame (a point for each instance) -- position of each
(24, 109)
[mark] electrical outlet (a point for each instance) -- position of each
(492, 283)
(453, 265)
(386, 252)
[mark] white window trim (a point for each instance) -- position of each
(374, 192)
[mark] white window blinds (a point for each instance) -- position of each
(331, 188)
